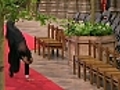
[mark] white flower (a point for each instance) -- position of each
(108, 24)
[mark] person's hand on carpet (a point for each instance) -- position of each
(25, 59)
(31, 60)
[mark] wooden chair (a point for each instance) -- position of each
(111, 75)
(98, 69)
(38, 40)
(83, 60)
(98, 66)
(106, 71)
(58, 43)
(87, 63)
(115, 80)
(77, 58)
(90, 62)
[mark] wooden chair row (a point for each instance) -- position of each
(98, 67)
(55, 40)
(50, 35)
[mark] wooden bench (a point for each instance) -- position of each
(110, 74)
(88, 62)
(104, 70)
(98, 69)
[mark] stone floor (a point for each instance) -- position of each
(55, 69)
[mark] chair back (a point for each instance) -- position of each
(51, 31)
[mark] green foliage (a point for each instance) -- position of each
(44, 18)
(22, 9)
(88, 29)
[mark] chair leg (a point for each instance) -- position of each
(62, 53)
(118, 84)
(79, 69)
(48, 52)
(52, 51)
(111, 83)
(74, 65)
(43, 47)
(38, 47)
(98, 80)
(104, 82)
(57, 53)
(91, 75)
(84, 70)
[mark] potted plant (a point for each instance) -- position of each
(89, 30)
(84, 32)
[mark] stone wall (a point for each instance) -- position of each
(54, 7)
(67, 8)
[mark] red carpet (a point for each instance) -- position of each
(18, 82)
(29, 40)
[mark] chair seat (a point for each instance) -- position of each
(47, 39)
(112, 73)
(88, 59)
(92, 61)
(116, 77)
(54, 45)
(96, 66)
(89, 64)
(101, 66)
(51, 43)
(107, 69)
(82, 57)
(42, 37)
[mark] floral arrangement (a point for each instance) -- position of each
(88, 29)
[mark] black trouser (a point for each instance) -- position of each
(26, 69)
(12, 69)
(14, 61)
(15, 64)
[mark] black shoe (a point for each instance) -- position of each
(11, 74)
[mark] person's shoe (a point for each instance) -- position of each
(28, 78)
